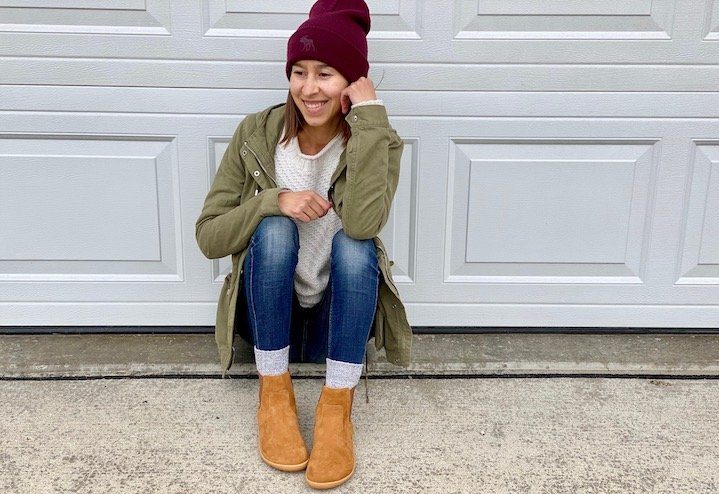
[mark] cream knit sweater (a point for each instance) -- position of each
(298, 171)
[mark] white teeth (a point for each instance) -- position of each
(313, 106)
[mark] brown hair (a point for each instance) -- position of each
(294, 121)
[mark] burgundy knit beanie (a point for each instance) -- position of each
(336, 34)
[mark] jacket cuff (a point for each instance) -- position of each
(368, 116)
(270, 205)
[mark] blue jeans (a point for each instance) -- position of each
(338, 326)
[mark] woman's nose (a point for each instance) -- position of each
(310, 86)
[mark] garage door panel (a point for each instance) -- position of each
(627, 251)
(117, 17)
(137, 181)
(60, 195)
(399, 235)
(712, 26)
(98, 208)
(552, 208)
(700, 253)
(262, 19)
(554, 19)
(216, 148)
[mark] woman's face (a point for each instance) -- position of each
(312, 81)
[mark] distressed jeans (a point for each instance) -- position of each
(339, 325)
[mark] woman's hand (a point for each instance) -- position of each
(360, 90)
(305, 205)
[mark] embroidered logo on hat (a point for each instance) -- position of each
(307, 43)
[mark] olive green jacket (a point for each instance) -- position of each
(361, 189)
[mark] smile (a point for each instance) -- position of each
(314, 107)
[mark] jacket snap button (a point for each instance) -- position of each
(394, 306)
(391, 263)
(354, 118)
(244, 152)
(256, 173)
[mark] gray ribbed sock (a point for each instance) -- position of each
(272, 362)
(342, 374)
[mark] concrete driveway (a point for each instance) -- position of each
(420, 435)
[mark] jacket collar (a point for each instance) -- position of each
(263, 141)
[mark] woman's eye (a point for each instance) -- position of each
(299, 72)
(325, 74)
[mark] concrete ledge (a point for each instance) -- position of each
(127, 355)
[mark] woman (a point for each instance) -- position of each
(298, 200)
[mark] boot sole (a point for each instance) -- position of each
(283, 467)
(329, 485)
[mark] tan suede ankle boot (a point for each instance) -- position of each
(332, 460)
(279, 439)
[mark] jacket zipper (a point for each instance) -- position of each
(331, 194)
(261, 165)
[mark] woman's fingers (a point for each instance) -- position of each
(315, 209)
(306, 205)
(313, 206)
(360, 90)
(323, 203)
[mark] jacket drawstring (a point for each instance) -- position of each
(232, 359)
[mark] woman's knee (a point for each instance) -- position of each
(353, 255)
(276, 238)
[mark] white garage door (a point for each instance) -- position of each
(561, 165)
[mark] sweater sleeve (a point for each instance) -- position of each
(368, 102)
